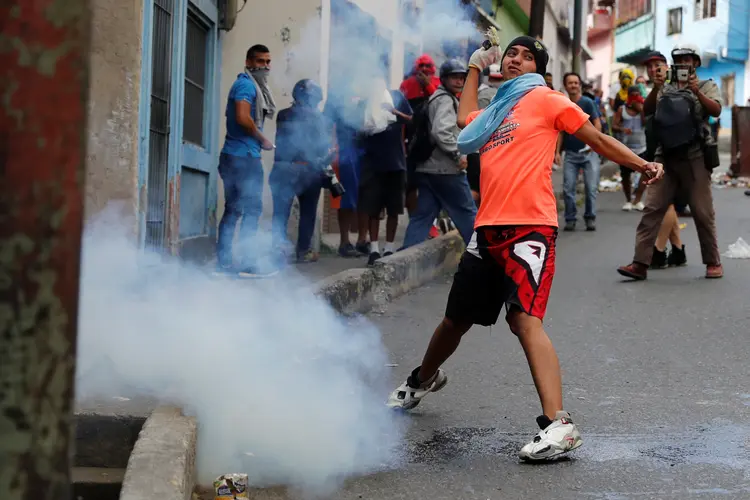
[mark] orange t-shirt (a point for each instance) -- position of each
(515, 183)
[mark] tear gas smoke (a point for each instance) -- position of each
(281, 387)
(360, 51)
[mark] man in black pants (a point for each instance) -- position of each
(383, 181)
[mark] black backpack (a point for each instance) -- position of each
(421, 145)
(674, 121)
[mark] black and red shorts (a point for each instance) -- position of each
(503, 265)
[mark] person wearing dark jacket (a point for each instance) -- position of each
(303, 149)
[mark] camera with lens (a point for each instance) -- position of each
(681, 73)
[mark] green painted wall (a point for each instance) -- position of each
(512, 20)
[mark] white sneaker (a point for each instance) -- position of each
(409, 394)
(555, 439)
(627, 207)
(639, 206)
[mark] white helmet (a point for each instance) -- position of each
(687, 49)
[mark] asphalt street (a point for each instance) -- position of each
(655, 374)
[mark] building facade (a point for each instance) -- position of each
(600, 35)
(721, 31)
(148, 153)
(634, 34)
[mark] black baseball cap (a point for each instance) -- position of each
(654, 55)
(536, 47)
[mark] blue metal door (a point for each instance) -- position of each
(184, 200)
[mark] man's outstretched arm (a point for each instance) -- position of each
(619, 153)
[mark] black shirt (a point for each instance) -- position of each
(302, 135)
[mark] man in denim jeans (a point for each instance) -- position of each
(304, 148)
(249, 104)
(441, 180)
(579, 156)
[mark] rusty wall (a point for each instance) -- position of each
(112, 159)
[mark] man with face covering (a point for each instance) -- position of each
(418, 88)
(626, 80)
(249, 104)
(511, 258)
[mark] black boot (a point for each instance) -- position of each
(659, 259)
(677, 257)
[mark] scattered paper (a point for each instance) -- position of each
(609, 185)
(738, 250)
(724, 180)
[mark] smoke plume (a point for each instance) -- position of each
(282, 387)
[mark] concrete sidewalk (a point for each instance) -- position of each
(330, 263)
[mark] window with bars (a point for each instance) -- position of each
(674, 21)
(196, 56)
(705, 9)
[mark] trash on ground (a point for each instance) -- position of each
(683, 225)
(231, 486)
(738, 250)
(610, 185)
(391, 365)
(724, 180)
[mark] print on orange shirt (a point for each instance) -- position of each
(515, 181)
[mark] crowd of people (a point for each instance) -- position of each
(374, 166)
(409, 158)
(479, 141)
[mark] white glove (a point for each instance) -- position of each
(482, 58)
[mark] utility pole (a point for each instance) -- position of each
(577, 29)
(44, 84)
(536, 19)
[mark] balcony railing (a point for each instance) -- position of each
(635, 39)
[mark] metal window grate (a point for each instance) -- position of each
(196, 55)
(156, 183)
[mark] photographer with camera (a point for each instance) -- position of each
(304, 151)
(681, 104)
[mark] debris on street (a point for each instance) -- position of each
(231, 486)
(611, 185)
(723, 180)
(738, 250)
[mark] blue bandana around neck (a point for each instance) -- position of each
(479, 131)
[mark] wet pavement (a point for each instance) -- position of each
(655, 374)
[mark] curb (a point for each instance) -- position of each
(162, 464)
(106, 431)
(360, 290)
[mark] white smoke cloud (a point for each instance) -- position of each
(282, 387)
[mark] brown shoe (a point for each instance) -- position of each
(634, 271)
(714, 272)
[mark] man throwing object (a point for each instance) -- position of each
(511, 258)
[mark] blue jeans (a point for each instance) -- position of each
(243, 199)
(589, 163)
(288, 180)
(436, 192)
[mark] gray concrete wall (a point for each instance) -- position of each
(112, 158)
(282, 26)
